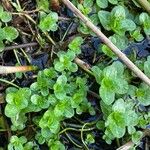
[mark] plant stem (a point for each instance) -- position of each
(8, 82)
(114, 48)
(20, 46)
(144, 4)
(83, 65)
(77, 145)
(86, 147)
(77, 130)
(118, 143)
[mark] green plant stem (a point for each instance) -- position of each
(77, 145)
(107, 41)
(49, 38)
(8, 82)
(144, 4)
(86, 147)
(16, 57)
(66, 32)
(26, 56)
(118, 143)
(78, 130)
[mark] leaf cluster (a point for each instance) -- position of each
(8, 33)
(57, 93)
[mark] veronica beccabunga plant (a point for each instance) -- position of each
(57, 92)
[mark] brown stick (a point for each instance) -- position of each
(14, 69)
(144, 4)
(127, 146)
(115, 49)
(20, 46)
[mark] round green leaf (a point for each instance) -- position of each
(104, 17)
(6, 16)
(102, 3)
(113, 1)
(48, 23)
(107, 95)
(11, 33)
(137, 136)
(116, 123)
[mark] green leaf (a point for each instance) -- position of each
(43, 5)
(143, 94)
(57, 145)
(73, 67)
(119, 67)
(106, 109)
(10, 33)
(11, 110)
(136, 137)
(84, 10)
(104, 17)
(118, 12)
(131, 117)
(116, 123)
(34, 86)
(97, 73)
(1, 11)
(77, 99)
(119, 106)
(40, 101)
(110, 72)
(128, 25)
(106, 50)
(145, 21)
(136, 34)
(106, 93)
(50, 121)
(50, 73)
(102, 3)
(69, 112)
(90, 139)
(100, 125)
(6, 16)
(61, 80)
(2, 34)
(20, 98)
(88, 3)
(147, 67)
(59, 66)
(131, 129)
(59, 91)
(48, 22)
(120, 41)
(121, 86)
(113, 1)
(75, 45)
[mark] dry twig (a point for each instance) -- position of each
(14, 69)
(144, 4)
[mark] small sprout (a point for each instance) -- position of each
(49, 22)
(145, 22)
(4, 15)
(43, 5)
(10, 33)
